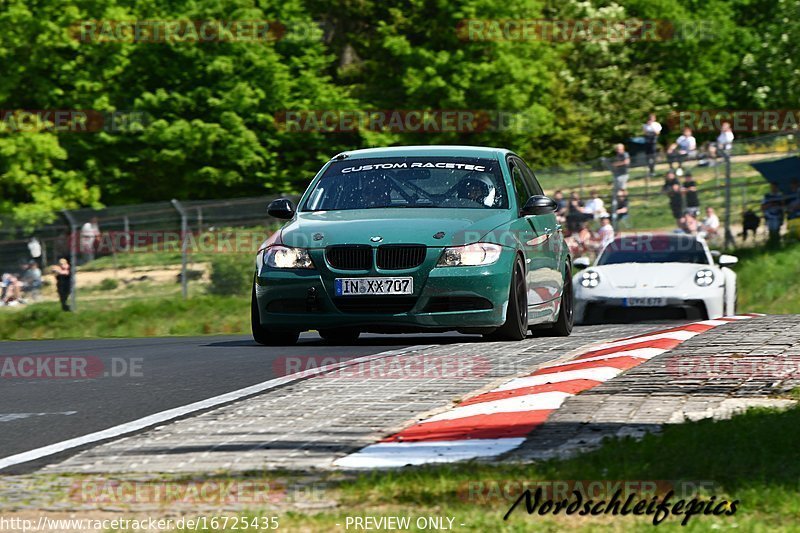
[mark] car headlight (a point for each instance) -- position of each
(704, 277)
(481, 253)
(590, 279)
(285, 257)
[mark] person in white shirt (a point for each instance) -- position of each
(651, 130)
(683, 148)
(725, 139)
(35, 250)
(710, 225)
(90, 234)
(595, 206)
(605, 234)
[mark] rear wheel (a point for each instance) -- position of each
(516, 325)
(268, 336)
(566, 315)
(339, 336)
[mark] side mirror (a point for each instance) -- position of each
(715, 254)
(581, 262)
(539, 205)
(281, 208)
(727, 260)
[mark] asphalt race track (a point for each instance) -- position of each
(158, 374)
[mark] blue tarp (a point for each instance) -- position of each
(781, 172)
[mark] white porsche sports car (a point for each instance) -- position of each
(645, 277)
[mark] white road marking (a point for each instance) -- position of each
(170, 414)
(397, 454)
(602, 373)
(10, 417)
(681, 335)
(639, 353)
(529, 402)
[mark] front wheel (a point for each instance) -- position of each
(268, 336)
(566, 315)
(516, 325)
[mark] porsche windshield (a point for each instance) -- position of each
(654, 249)
(433, 182)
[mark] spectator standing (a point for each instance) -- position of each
(620, 166)
(90, 235)
(676, 201)
(725, 138)
(651, 130)
(710, 226)
(669, 180)
(63, 282)
(772, 207)
(684, 147)
(35, 250)
(622, 206)
(692, 198)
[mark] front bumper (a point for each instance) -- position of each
(706, 300)
(446, 298)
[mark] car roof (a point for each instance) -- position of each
(433, 150)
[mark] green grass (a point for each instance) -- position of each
(768, 279)
(753, 458)
(122, 317)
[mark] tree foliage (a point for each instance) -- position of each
(209, 109)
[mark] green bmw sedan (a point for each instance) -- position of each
(410, 239)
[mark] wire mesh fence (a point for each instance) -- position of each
(166, 248)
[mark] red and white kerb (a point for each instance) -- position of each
(498, 421)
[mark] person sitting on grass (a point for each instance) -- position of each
(12, 289)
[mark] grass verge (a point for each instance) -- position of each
(150, 317)
(753, 458)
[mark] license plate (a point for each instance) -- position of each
(644, 302)
(367, 286)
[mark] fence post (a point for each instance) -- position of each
(126, 228)
(73, 258)
(200, 220)
(729, 240)
(184, 243)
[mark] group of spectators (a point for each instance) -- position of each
(25, 285)
(776, 207)
(576, 216)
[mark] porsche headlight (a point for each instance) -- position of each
(704, 277)
(590, 279)
(481, 253)
(285, 257)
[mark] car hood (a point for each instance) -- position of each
(648, 275)
(431, 227)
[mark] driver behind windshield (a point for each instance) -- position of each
(474, 189)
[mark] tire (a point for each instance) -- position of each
(516, 325)
(566, 314)
(268, 336)
(342, 336)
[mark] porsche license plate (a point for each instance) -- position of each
(369, 286)
(644, 302)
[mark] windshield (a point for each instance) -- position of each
(433, 182)
(649, 249)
